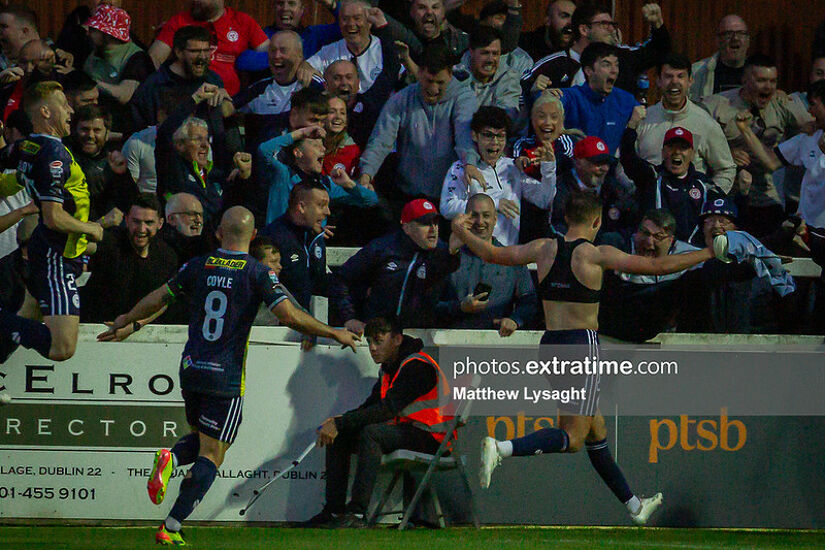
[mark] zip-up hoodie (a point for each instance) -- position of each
(428, 138)
(392, 277)
(504, 90)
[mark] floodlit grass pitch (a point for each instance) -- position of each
(561, 538)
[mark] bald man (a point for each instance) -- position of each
(723, 70)
(226, 289)
(270, 96)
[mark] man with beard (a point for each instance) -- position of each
(80, 90)
(599, 107)
(183, 77)
(271, 96)
(481, 69)
(117, 64)
(509, 187)
(358, 45)
(342, 80)
(288, 16)
(774, 118)
(297, 157)
(723, 70)
(130, 262)
(593, 22)
(555, 35)
(58, 186)
(713, 155)
(675, 184)
(111, 188)
(234, 32)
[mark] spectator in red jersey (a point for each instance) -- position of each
(232, 32)
(342, 151)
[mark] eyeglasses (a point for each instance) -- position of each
(658, 237)
(612, 24)
(728, 35)
(190, 213)
(491, 135)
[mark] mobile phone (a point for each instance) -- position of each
(481, 288)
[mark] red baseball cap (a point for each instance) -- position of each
(112, 21)
(593, 149)
(677, 132)
(417, 209)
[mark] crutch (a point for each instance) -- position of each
(256, 494)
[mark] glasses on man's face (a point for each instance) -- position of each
(190, 213)
(658, 237)
(492, 135)
(729, 35)
(611, 24)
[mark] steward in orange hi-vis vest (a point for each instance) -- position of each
(427, 412)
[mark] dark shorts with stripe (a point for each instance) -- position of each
(581, 342)
(52, 279)
(217, 417)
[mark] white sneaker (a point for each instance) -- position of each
(649, 505)
(489, 460)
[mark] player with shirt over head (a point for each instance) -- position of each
(56, 182)
(570, 271)
(225, 289)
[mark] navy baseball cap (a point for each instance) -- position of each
(723, 206)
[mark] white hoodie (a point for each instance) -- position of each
(505, 181)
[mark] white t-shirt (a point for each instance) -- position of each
(139, 151)
(369, 64)
(803, 150)
(8, 238)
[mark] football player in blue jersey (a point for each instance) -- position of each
(58, 186)
(226, 289)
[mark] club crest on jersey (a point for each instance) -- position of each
(695, 194)
(318, 252)
(232, 36)
(422, 272)
(212, 262)
(273, 277)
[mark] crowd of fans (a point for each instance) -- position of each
(408, 111)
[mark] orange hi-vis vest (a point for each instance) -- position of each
(426, 412)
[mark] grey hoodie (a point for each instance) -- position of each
(504, 90)
(428, 138)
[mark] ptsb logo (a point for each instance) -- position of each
(696, 435)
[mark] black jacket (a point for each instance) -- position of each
(392, 276)
(417, 378)
(682, 197)
(303, 258)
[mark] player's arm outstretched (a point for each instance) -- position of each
(522, 254)
(609, 257)
(297, 319)
(149, 307)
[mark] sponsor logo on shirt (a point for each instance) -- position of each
(392, 266)
(294, 258)
(213, 262)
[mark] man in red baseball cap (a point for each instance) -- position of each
(117, 64)
(591, 173)
(396, 276)
(675, 184)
